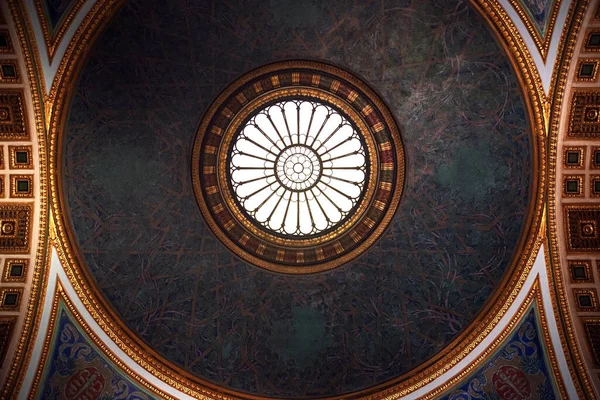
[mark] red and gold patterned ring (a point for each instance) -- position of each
(384, 172)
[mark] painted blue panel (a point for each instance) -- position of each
(519, 369)
(77, 369)
(540, 12)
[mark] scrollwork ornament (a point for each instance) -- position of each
(60, 295)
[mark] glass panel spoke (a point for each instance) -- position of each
(253, 156)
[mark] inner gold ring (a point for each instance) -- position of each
(292, 93)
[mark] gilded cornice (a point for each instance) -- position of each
(463, 345)
(53, 39)
(558, 291)
(542, 42)
(32, 314)
(514, 44)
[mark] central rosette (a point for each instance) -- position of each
(298, 168)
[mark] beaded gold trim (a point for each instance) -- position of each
(31, 311)
(61, 296)
(53, 39)
(534, 294)
(542, 42)
(385, 157)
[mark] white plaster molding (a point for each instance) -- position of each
(538, 270)
(50, 68)
(57, 273)
(545, 69)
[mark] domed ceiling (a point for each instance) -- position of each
(405, 302)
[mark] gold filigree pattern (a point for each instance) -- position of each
(29, 320)
(13, 121)
(584, 122)
(595, 158)
(7, 325)
(20, 157)
(581, 271)
(61, 296)
(10, 298)
(586, 300)
(561, 293)
(587, 70)
(21, 186)
(591, 43)
(533, 294)
(15, 269)
(592, 330)
(6, 46)
(573, 157)
(573, 185)
(594, 185)
(15, 228)
(583, 224)
(9, 72)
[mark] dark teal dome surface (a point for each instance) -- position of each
(127, 183)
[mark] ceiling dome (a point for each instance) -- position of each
(128, 168)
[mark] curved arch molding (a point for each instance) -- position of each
(530, 316)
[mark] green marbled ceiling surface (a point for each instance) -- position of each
(127, 184)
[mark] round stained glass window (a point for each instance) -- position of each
(298, 167)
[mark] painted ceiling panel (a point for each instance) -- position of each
(520, 368)
(77, 369)
(141, 257)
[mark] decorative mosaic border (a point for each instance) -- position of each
(534, 295)
(60, 296)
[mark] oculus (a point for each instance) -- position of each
(298, 167)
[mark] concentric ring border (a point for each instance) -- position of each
(207, 202)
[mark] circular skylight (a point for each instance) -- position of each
(298, 167)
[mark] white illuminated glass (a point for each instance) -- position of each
(298, 167)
